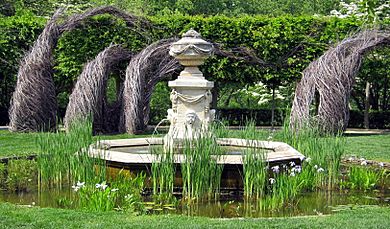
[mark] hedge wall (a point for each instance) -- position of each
(262, 117)
(287, 44)
(16, 36)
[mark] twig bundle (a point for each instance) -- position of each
(144, 71)
(88, 96)
(33, 104)
(333, 76)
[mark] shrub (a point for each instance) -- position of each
(363, 178)
(22, 175)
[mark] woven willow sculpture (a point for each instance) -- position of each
(145, 70)
(333, 76)
(33, 104)
(89, 94)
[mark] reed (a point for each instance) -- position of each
(163, 170)
(282, 184)
(323, 153)
(63, 157)
(254, 172)
(200, 171)
(254, 161)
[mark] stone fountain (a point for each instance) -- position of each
(191, 96)
(190, 117)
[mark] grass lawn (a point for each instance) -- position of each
(12, 216)
(16, 144)
(20, 144)
(375, 147)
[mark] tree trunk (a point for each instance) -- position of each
(384, 101)
(367, 107)
(374, 96)
(273, 107)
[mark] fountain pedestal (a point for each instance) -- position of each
(191, 97)
(190, 117)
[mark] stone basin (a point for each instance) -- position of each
(137, 151)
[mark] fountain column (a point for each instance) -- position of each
(190, 114)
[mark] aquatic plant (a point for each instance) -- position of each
(325, 152)
(21, 175)
(162, 203)
(200, 171)
(254, 157)
(284, 187)
(129, 189)
(98, 197)
(122, 194)
(163, 170)
(363, 178)
(254, 171)
(63, 157)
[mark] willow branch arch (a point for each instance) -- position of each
(333, 76)
(33, 104)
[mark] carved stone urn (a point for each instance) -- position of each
(190, 114)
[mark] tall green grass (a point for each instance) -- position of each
(200, 171)
(254, 162)
(254, 172)
(63, 157)
(323, 152)
(163, 170)
(201, 174)
(274, 189)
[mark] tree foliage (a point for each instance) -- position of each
(181, 7)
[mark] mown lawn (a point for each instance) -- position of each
(20, 144)
(12, 216)
(375, 147)
(17, 144)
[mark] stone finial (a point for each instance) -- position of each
(191, 49)
(192, 33)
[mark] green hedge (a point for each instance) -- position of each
(17, 34)
(378, 119)
(262, 117)
(289, 43)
